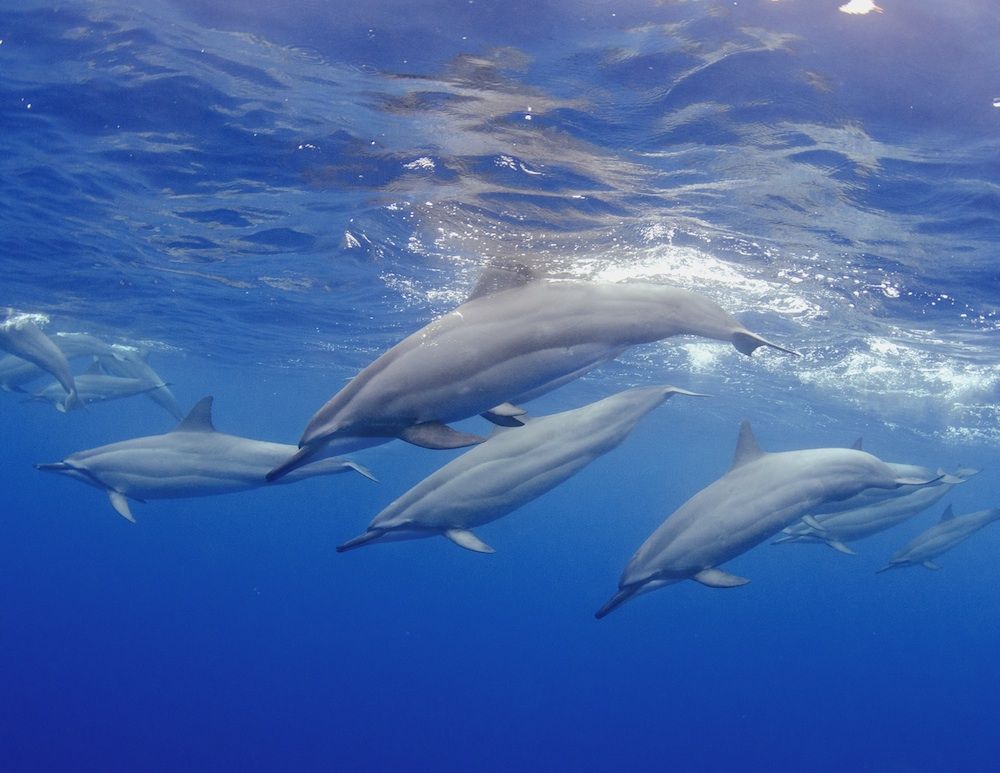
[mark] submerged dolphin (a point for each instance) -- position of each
(940, 538)
(193, 460)
(15, 372)
(20, 336)
(129, 362)
(514, 339)
(509, 470)
(837, 528)
(95, 387)
(759, 495)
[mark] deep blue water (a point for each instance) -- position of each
(269, 195)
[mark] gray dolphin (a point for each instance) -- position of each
(759, 495)
(130, 362)
(940, 538)
(838, 528)
(15, 372)
(509, 470)
(193, 460)
(515, 338)
(94, 386)
(20, 336)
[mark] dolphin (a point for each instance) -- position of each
(94, 386)
(15, 372)
(509, 470)
(20, 336)
(759, 495)
(129, 362)
(837, 528)
(940, 538)
(192, 460)
(515, 338)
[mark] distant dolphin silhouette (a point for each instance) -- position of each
(509, 470)
(760, 494)
(193, 460)
(20, 336)
(515, 338)
(940, 538)
(130, 362)
(95, 386)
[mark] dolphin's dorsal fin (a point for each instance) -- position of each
(856, 446)
(948, 514)
(746, 446)
(199, 418)
(498, 276)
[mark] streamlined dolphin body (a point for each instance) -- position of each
(15, 372)
(940, 538)
(836, 529)
(20, 336)
(129, 362)
(193, 460)
(516, 338)
(94, 387)
(759, 495)
(509, 470)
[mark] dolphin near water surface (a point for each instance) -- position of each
(759, 495)
(193, 460)
(516, 338)
(509, 470)
(940, 538)
(20, 336)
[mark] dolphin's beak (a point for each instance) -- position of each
(54, 467)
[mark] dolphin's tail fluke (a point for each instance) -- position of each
(295, 460)
(623, 595)
(747, 342)
(358, 541)
(72, 401)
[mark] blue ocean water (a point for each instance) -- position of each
(267, 196)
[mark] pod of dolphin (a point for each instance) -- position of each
(518, 336)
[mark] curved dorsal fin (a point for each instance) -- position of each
(498, 276)
(857, 445)
(746, 446)
(199, 418)
(948, 514)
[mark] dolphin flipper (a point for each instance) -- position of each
(466, 539)
(120, 504)
(716, 578)
(840, 547)
(437, 436)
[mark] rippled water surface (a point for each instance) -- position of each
(268, 195)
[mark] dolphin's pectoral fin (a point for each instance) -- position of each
(929, 565)
(466, 539)
(360, 468)
(716, 578)
(840, 547)
(120, 504)
(438, 436)
(812, 523)
(505, 415)
(746, 342)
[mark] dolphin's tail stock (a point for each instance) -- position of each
(747, 342)
(295, 460)
(623, 595)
